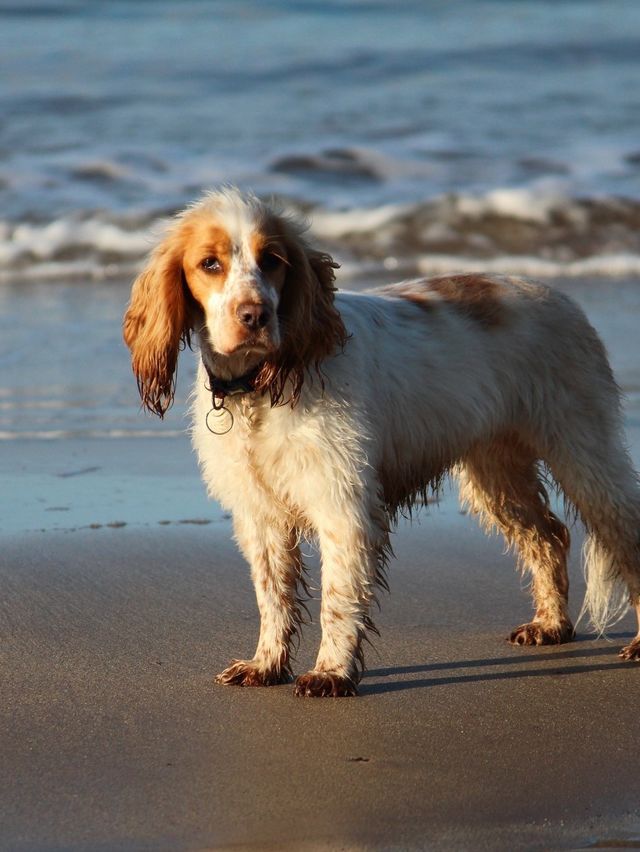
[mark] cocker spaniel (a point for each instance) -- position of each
(321, 413)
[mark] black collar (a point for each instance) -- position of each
(221, 388)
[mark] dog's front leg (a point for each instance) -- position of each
(352, 563)
(276, 569)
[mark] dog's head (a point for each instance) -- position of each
(242, 277)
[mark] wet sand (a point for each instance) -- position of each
(115, 736)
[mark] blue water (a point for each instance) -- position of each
(419, 136)
(138, 104)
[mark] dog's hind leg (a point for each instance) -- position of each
(576, 418)
(632, 650)
(595, 472)
(277, 573)
(501, 482)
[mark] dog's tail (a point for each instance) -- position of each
(606, 599)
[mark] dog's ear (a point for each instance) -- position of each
(311, 326)
(156, 322)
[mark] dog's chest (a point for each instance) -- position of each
(260, 459)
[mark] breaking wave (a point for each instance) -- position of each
(505, 230)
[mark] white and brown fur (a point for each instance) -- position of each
(362, 403)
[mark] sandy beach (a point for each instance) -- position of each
(123, 595)
(115, 737)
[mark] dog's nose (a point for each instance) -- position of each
(253, 315)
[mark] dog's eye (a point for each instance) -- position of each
(270, 261)
(211, 264)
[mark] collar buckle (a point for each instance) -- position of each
(217, 400)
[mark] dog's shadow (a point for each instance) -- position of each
(524, 661)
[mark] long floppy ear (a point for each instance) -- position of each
(311, 325)
(156, 322)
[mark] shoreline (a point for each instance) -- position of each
(87, 390)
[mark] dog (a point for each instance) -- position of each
(320, 413)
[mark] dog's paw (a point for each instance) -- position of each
(324, 684)
(537, 633)
(631, 651)
(249, 673)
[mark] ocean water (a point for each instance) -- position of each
(412, 132)
(417, 136)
